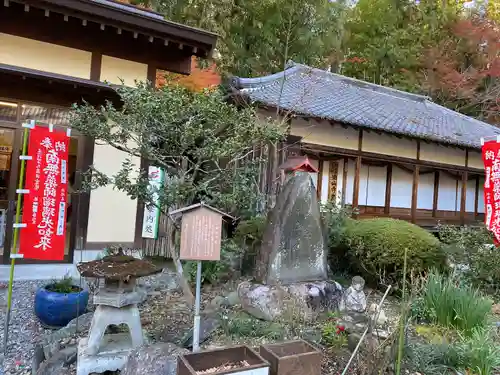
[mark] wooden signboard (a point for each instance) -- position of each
(201, 235)
(201, 232)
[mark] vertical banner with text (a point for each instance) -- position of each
(151, 216)
(44, 208)
(491, 159)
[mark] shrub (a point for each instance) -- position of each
(376, 248)
(473, 247)
(214, 272)
(248, 235)
(477, 354)
(450, 304)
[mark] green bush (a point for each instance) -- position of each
(448, 303)
(214, 272)
(376, 248)
(477, 354)
(474, 248)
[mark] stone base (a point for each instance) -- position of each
(112, 356)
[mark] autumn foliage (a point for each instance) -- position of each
(199, 79)
(463, 71)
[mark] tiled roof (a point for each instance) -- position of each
(317, 93)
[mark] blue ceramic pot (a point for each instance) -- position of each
(55, 309)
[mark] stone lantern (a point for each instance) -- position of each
(116, 303)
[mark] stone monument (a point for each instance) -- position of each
(294, 236)
(116, 304)
(293, 256)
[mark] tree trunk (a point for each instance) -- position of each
(184, 284)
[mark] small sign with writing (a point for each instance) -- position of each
(201, 232)
(152, 212)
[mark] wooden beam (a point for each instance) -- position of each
(463, 198)
(319, 185)
(414, 194)
(344, 181)
(476, 197)
(436, 194)
(336, 151)
(388, 189)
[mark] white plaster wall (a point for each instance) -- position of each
(470, 198)
(46, 57)
(447, 193)
(440, 154)
(377, 177)
(112, 213)
(114, 70)
(371, 184)
(480, 205)
(401, 188)
(425, 197)
(475, 160)
(387, 145)
(323, 133)
(325, 181)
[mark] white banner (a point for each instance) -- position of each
(152, 213)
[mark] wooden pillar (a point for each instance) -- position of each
(357, 171)
(463, 198)
(355, 191)
(344, 181)
(476, 198)
(414, 193)
(388, 190)
(319, 185)
(436, 194)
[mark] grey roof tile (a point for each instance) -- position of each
(317, 93)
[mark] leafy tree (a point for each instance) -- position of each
(258, 37)
(203, 143)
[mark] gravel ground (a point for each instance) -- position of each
(24, 327)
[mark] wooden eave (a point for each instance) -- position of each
(112, 17)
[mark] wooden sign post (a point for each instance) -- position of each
(201, 233)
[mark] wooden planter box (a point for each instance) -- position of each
(198, 363)
(292, 358)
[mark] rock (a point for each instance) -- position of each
(159, 359)
(261, 301)
(294, 237)
(233, 299)
(219, 301)
(52, 343)
(59, 363)
(309, 298)
(354, 299)
(207, 326)
(38, 358)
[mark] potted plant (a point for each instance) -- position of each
(59, 302)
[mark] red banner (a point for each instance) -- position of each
(491, 159)
(44, 208)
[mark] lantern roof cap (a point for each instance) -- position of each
(298, 163)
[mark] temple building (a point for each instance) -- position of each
(54, 53)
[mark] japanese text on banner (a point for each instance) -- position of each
(44, 208)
